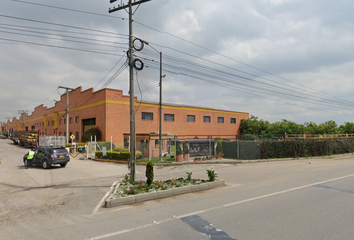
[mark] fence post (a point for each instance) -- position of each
(238, 149)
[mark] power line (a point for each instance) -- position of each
(61, 47)
(68, 9)
(61, 25)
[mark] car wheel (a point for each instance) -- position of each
(45, 165)
(25, 162)
(63, 164)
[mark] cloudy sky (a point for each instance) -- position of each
(275, 59)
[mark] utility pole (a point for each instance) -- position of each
(67, 111)
(160, 130)
(131, 82)
(22, 118)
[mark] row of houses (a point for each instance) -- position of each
(109, 110)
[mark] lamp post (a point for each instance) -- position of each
(67, 111)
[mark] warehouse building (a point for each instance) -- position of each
(109, 110)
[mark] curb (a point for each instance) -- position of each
(110, 202)
(230, 161)
(116, 161)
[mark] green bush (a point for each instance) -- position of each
(219, 147)
(185, 148)
(305, 148)
(86, 137)
(149, 173)
(179, 149)
(120, 149)
(113, 155)
(138, 154)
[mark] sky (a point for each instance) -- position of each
(274, 59)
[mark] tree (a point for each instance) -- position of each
(329, 127)
(254, 126)
(347, 128)
(86, 137)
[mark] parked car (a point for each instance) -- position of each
(3, 137)
(48, 156)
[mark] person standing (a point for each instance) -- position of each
(30, 157)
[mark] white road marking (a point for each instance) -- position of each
(218, 207)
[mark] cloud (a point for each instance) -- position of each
(206, 45)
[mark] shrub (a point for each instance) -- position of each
(86, 137)
(113, 155)
(185, 148)
(219, 147)
(138, 154)
(120, 149)
(149, 173)
(179, 149)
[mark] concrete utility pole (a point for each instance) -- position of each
(22, 118)
(67, 111)
(160, 130)
(131, 82)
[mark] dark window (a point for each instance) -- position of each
(71, 120)
(48, 123)
(157, 144)
(52, 123)
(206, 118)
(64, 120)
(60, 134)
(77, 136)
(190, 118)
(77, 119)
(220, 120)
(60, 121)
(147, 116)
(126, 143)
(169, 117)
(233, 120)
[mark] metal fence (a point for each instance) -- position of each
(245, 150)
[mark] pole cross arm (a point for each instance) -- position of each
(114, 9)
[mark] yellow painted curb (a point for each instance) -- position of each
(117, 161)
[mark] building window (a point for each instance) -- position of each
(147, 116)
(60, 121)
(190, 118)
(71, 120)
(52, 123)
(60, 134)
(77, 136)
(76, 119)
(220, 120)
(233, 120)
(126, 143)
(206, 118)
(64, 120)
(48, 123)
(169, 117)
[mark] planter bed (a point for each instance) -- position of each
(164, 189)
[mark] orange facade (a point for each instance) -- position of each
(109, 110)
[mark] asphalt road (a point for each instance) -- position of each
(299, 199)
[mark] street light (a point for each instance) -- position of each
(160, 124)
